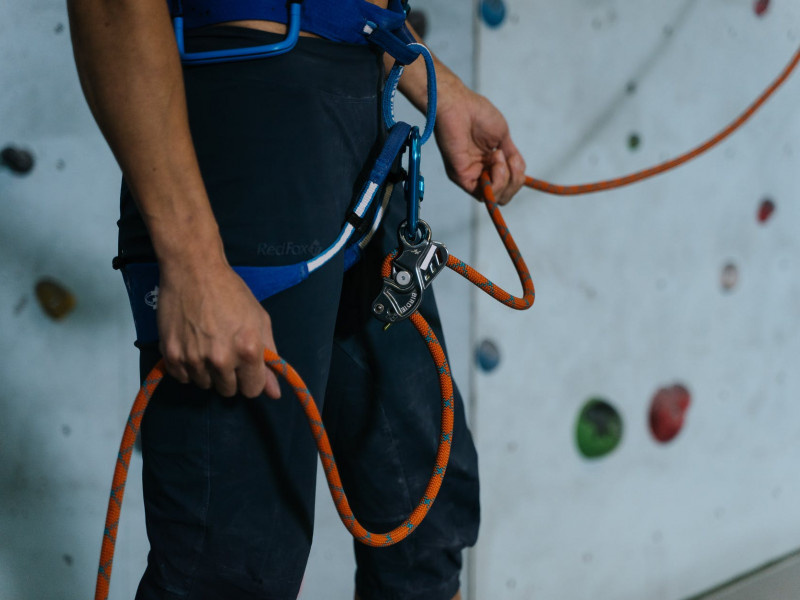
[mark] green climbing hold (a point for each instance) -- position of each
(599, 428)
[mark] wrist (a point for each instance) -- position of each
(187, 243)
(451, 93)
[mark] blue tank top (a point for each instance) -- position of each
(337, 20)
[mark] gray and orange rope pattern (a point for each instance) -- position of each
(285, 370)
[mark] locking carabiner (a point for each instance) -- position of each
(414, 186)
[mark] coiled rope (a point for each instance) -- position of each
(283, 369)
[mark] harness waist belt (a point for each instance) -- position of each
(337, 20)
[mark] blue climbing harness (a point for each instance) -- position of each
(384, 28)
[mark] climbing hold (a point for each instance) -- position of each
(19, 161)
(599, 428)
(55, 299)
(418, 21)
(493, 12)
(765, 210)
(668, 411)
(634, 141)
(730, 277)
(760, 6)
(487, 355)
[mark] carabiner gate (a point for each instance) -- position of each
(414, 186)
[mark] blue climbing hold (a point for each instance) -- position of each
(493, 12)
(487, 356)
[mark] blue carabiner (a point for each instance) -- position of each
(247, 53)
(415, 183)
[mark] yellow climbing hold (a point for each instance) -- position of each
(56, 300)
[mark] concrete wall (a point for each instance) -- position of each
(630, 300)
(66, 385)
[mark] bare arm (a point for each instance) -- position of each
(472, 134)
(212, 329)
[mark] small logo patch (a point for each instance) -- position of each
(151, 298)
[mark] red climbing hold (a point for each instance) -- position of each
(667, 412)
(765, 210)
(761, 6)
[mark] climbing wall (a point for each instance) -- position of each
(638, 428)
(68, 368)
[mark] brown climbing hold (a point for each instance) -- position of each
(668, 411)
(56, 300)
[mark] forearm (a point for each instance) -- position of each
(131, 75)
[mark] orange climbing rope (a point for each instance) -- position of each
(285, 370)
(586, 188)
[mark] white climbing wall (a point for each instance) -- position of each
(67, 385)
(630, 300)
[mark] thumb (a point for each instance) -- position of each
(498, 172)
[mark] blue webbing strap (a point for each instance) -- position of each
(390, 90)
(380, 170)
(402, 51)
(142, 280)
(335, 20)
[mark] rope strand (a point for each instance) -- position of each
(587, 188)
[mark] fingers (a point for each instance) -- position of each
(252, 373)
(237, 369)
(271, 387)
(507, 172)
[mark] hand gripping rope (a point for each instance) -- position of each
(283, 369)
